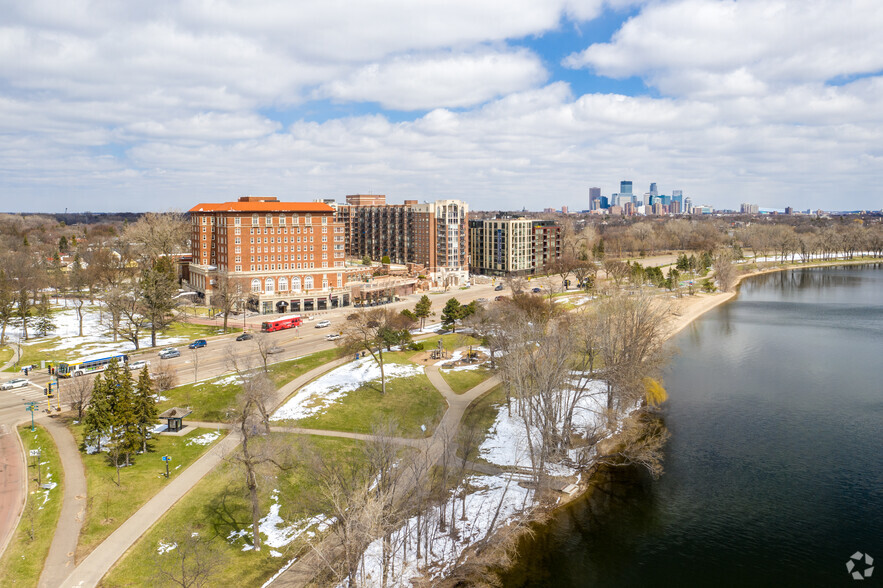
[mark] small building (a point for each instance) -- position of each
(174, 418)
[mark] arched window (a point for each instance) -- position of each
(295, 283)
(283, 284)
(268, 285)
(308, 282)
(255, 285)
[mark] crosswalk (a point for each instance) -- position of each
(30, 393)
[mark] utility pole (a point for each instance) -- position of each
(32, 407)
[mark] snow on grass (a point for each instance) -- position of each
(162, 547)
(458, 355)
(317, 396)
(492, 502)
(507, 441)
(205, 439)
(276, 532)
(96, 340)
(227, 380)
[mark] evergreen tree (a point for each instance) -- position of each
(452, 312)
(158, 288)
(44, 323)
(145, 407)
(97, 421)
(123, 436)
(422, 310)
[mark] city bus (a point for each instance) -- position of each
(279, 324)
(88, 365)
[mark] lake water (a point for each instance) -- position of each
(774, 470)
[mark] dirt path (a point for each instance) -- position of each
(60, 560)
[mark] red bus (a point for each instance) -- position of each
(279, 324)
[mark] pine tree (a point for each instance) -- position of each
(422, 310)
(97, 420)
(452, 312)
(123, 436)
(44, 323)
(145, 407)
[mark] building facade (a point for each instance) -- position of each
(432, 234)
(273, 256)
(512, 246)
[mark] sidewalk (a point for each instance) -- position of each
(90, 571)
(60, 560)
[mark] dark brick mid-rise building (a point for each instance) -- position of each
(432, 234)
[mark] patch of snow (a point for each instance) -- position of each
(444, 550)
(163, 547)
(233, 379)
(318, 395)
(205, 439)
(277, 534)
(92, 449)
(160, 428)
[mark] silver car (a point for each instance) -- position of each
(16, 383)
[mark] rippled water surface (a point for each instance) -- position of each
(774, 470)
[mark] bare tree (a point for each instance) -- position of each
(639, 442)
(190, 561)
(78, 391)
(724, 270)
(229, 294)
(370, 330)
(616, 270)
(165, 377)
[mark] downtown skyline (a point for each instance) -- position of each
(505, 106)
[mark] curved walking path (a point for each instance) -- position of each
(90, 571)
(60, 560)
(302, 571)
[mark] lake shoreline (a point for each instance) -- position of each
(686, 311)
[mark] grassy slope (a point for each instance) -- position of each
(462, 381)
(23, 559)
(212, 402)
(218, 506)
(110, 505)
(481, 415)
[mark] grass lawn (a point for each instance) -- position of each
(412, 401)
(480, 415)
(191, 331)
(6, 353)
(212, 401)
(218, 506)
(108, 504)
(462, 381)
(23, 559)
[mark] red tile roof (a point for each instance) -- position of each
(262, 207)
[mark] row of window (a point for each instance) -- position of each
(281, 285)
(268, 219)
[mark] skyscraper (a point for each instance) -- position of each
(625, 188)
(594, 198)
(653, 191)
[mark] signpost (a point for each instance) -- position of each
(167, 459)
(36, 454)
(32, 407)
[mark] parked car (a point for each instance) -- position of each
(15, 383)
(333, 337)
(481, 300)
(169, 352)
(498, 287)
(498, 298)
(245, 337)
(322, 324)
(197, 344)
(140, 364)
(536, 290)
(275, 349)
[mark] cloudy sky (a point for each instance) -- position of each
(113, 105)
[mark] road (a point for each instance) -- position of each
(212, 361)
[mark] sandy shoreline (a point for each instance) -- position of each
(687, 309)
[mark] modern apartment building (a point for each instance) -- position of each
(515, 246)
(281, 256)
(432, 234)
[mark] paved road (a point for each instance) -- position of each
(212, 361)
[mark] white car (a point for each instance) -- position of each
(322, 324)
(137, 365)
(16, 383)
(332, 337)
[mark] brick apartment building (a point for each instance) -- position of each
(512, 246)
(432, 234)
(286, 256)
